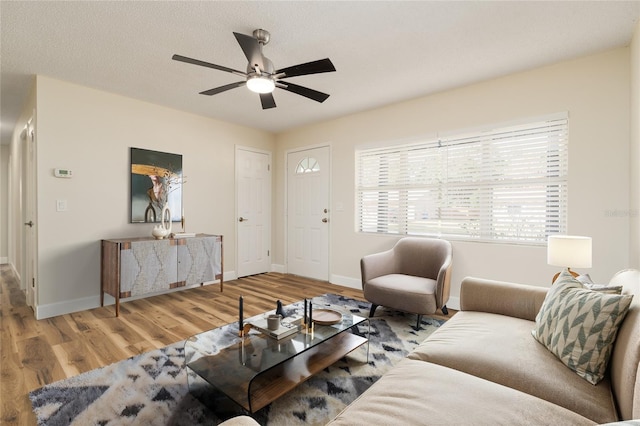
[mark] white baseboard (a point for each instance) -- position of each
(277, 268)
(77, 305)
(356, 283)
(454, 303)
(66, 307)
(15, 272)
(346, 281)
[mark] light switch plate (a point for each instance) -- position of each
(61, 205)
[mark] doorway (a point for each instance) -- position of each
(28, 200)
(308, 174)
(253, 211)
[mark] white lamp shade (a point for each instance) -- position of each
(569, 251)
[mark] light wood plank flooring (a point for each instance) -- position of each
(35, 353)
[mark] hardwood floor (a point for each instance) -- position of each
(35, 353)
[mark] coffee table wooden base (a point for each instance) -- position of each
(228, 372)
(273, 383)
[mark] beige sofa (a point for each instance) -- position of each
(483, 367)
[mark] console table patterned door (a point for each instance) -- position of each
(139, 266)
(147, 266)
(199, 259)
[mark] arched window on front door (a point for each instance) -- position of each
(308, 165)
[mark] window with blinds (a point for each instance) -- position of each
(507, 184)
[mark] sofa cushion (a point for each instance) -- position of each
(624, 364)
(579, 326)
(419, 393)
(500, 349)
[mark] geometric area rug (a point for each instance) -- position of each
(151, 389)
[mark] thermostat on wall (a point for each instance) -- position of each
(62, 173)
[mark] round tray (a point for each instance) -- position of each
(326, 316)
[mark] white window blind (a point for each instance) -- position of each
(506, 184)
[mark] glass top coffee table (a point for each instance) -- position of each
(255, 370)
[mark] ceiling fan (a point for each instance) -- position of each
(261, 76)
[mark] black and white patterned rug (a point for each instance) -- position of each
(151, 389)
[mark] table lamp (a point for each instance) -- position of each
(569, 251)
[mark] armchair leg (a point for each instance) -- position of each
(373, 310)
(445, 310)
(418, 323)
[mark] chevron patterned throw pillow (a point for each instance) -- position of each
(579, 326)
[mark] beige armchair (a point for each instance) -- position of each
(414, 276)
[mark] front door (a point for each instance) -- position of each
(308, 174)
(253, 207)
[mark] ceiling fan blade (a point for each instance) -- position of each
(315, 67)
(207, 64)
(303, 91)
(267, 100)
(251, 49)
(223, 88)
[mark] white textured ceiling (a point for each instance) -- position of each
(384, 52)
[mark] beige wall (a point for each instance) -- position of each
(634, 157)
(90, 132)
(595, 92)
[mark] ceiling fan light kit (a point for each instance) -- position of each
(261, 76)
(260, 84)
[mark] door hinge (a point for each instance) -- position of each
(268, 253)
(33, 283)
(268, 167)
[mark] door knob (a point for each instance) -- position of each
(325, 220)
(29, 224)
(242, 219)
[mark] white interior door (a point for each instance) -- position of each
(308, 174)
(29, 215)
(253, 207)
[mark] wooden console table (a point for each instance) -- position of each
(139, 266)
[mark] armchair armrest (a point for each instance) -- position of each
(377, 265)
(443, 284)
(504, 298)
